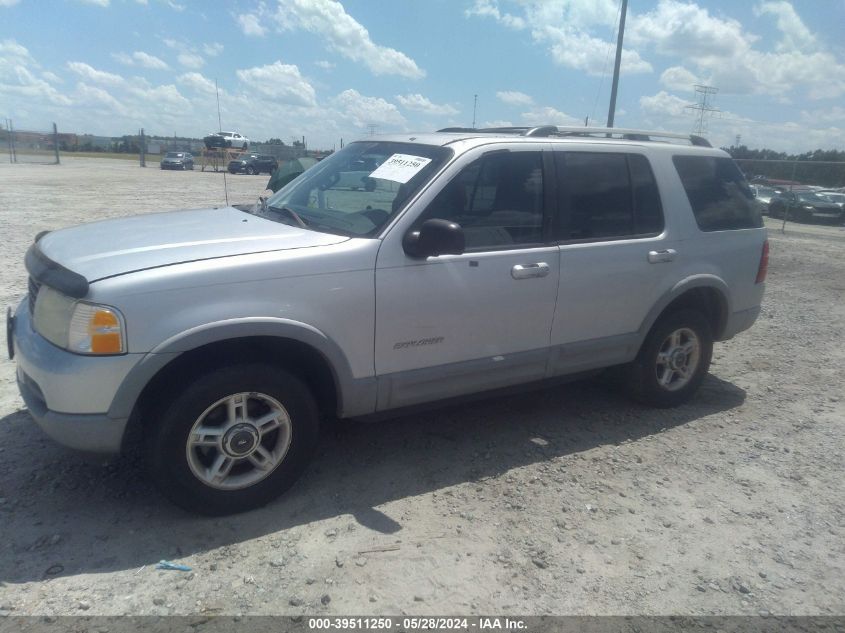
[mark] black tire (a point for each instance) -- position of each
(251, 170)
(642, 375)
(167, 437)
(245, 146)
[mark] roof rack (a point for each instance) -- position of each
(601, 132)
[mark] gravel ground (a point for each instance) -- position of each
(564, 501)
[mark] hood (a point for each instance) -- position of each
(119, 246)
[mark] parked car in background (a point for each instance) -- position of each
(763, 194)
(253, 164)
(837, 197)
(226, 139)
(177, 160)
(805, 206)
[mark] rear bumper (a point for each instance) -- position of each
(740, 321)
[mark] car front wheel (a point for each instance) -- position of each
(673, 361)
(233, 439)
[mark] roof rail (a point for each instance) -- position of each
(602, 132)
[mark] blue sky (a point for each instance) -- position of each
(327, 69)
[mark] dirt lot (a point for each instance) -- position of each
(565, 501)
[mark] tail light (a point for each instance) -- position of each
(764, 263)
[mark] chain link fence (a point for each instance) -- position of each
(30, 146)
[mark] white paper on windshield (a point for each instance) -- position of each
(400, 167)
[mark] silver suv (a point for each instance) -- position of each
(400, 270)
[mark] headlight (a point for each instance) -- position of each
(77, 326)
(808, 206)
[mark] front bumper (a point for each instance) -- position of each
(68, 395)
(173, 165)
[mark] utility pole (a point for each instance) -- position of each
(474, 109)
(611, 111)
(372, 127)
(143, 143)
(703, 106)
(56, 142)
(9, 138)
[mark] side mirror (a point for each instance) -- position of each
(435, 237)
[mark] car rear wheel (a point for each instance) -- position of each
(233, 439)
(251, 170)
(673, 361)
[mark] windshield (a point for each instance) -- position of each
(357, 190)
(173, 155)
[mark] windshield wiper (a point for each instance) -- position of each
(286, 209)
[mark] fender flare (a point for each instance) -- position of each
(130, 390)
(689, 283)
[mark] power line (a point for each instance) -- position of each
(703, 106)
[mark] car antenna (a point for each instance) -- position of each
(220, 129)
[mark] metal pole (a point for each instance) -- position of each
(611, 111)
(143, 149)
(9, 138)
(786, 208)
(12, 136)
(56, 142)
(474, 108)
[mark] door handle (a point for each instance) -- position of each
(526, 271)
(661, 257)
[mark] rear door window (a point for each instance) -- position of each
(606, 196)
(720, 198)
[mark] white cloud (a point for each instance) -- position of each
(250, 24)
(93, 96)
(325, 65)
(18, 77)
(419, 103)
(796, 36)
(683, 29)
(281, 82)
(197, 83)
(835, 114)
(497, 123)
(191, 60)
(8, 3)
(142, 59)
(99, 3)
(96, 76)
(363, 111)
(166, 98)
(489, 9)
(212, 50)
(578, 34)
(547, 115)
(514, 97)
(343, 34)
(679, 78)
(721, 53)
(665, 104)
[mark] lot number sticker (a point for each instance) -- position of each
(400, 167)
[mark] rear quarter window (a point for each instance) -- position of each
(720, 198)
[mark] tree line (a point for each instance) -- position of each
(810, 168)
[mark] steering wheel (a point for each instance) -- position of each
(376, 216)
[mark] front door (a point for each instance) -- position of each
(456, 324)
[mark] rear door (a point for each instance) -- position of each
(616, 258)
